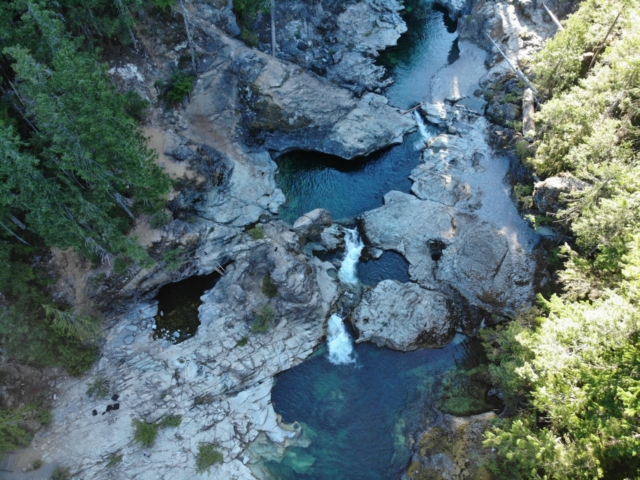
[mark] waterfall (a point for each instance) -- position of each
(422, 128)
(339, 342)
(353, 248)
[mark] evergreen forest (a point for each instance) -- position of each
(570, 368)
(76, 172)
(75, 168)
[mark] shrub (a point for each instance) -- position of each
(249, 38)
(205, 399)
(164, 5)
(522, 192)
(171, 421)
(160, 219)
(61, 473)
(263, 319)
(172, 260)
(13, 433)
(207, 456)
(99, 388)
(135, 105)
(242, 342)
(268, 288)
(180, 85)
(120, 265)
(114, 459)
(256, 232)
(145, 433)
(522, 149)
(36, 465)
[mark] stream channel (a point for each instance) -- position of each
(359, 406)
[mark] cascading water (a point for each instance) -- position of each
(339, 342)
(353, 248)
(422, 128)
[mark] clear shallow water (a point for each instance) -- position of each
(346, 188)
(429, 45)
(359, 417)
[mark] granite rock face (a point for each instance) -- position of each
(403, 317)
(551, 194)
(460, 231)
(339, 40)
(291, 109)
(219, 381)
(284, 107)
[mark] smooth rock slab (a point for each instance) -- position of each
(404, 316)
(453, 251)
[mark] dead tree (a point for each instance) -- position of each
(553, 17)
(517, 71)
(273, 28)
(185, 16)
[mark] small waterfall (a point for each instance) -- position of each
(339, 342)
(353, 248)
(422, 128)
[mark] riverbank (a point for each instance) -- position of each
(220, 380)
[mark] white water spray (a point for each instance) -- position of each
(339, 342)
(422, 128)
(353, 248)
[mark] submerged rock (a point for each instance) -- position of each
(452, 449)
(403, 316)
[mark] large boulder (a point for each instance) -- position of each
(551, 195)
(404, 316)
(453, 251)
(292, 109)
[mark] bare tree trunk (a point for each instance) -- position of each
(553, 17)
(185, 16)
(273, 28)
(603, 44)
(517, 71)
(11, 232)
(528, 111)
(125, 13)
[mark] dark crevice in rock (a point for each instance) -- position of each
(435, 249)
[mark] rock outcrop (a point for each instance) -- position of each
(337, 40)
(219, 381)
(452, 448)
(552, 194)
(285, 107)
(403, 317)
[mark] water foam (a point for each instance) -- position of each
(353, 248)
(339, 342)
(422, 128)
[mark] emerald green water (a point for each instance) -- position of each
(312, 180)
(358, 420)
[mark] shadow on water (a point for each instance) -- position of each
(360, 418)
(178, 303)
(390, 266)
(312, 180)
